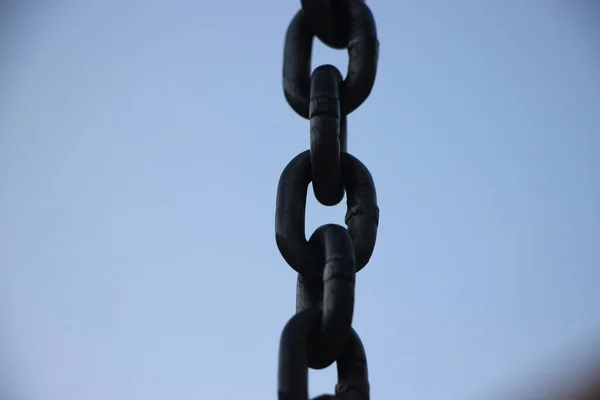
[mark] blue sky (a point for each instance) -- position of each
(140, 148)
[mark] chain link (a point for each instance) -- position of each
(363, 49)
(321, 333)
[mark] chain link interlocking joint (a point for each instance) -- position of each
(321, 332)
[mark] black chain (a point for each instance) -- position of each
(321, 332)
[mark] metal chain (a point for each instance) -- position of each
(321, 332)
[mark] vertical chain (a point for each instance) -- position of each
(321, 333)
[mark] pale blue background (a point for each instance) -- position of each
(140, 148)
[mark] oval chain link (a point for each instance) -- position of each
(363, 52)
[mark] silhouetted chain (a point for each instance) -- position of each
(321, 332)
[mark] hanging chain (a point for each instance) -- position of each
(321, 332)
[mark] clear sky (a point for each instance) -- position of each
(140, 148)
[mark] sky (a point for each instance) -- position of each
(140, 148)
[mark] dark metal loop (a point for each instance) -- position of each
(329, 21)
(362, 216)
(292, 372)
(333, 295)
(324, 135)
(363, 52)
